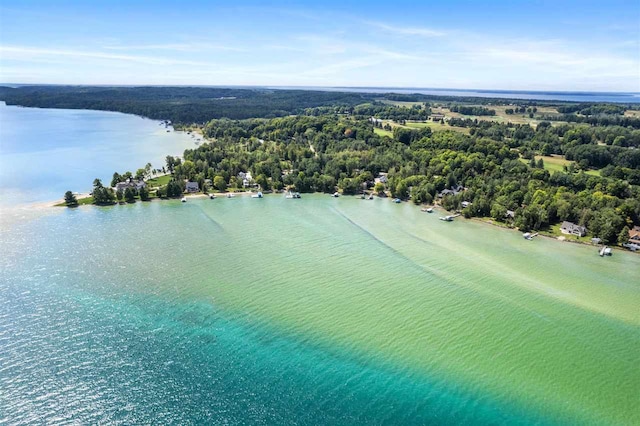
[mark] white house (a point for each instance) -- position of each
(573, 229)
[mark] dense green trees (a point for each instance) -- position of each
(331, 144)
(70, 200)
(102, 195)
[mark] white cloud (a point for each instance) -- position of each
(31, 53)
(411, 31)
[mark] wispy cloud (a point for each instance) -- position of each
(182, 47)
(407, 31)
(31, 53)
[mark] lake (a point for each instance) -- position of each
(310, 311)
(46, 152)
(616, 97)
(281, 311)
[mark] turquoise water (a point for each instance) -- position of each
(46, 152)
(311, 311)
(278, 311)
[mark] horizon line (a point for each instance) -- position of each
(318, 87)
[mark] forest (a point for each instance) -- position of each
(494, 164)
(313, 141)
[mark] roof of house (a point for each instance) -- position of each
(570, 226)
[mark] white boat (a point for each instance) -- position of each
(397, 200)
(371, 197)
(448, 218)
(427, 210)
(292, 195)
(183, 199)
(258, 195)
(211, 196)
(336, 194)
(230, 195)
(606, 251)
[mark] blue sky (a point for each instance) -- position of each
(513, 45)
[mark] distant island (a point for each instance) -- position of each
(534, 165)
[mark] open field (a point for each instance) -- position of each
(382, 132)
(435, 126)
(556, 163)
(501, 116)
(401, 103)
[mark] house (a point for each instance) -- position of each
(382, 178)
(634, 235)
(130, 183)
(247, 179)
(573, 229)
(465, 204)
(192, 187)
(453, 191)
(596, 241)
(510, 214)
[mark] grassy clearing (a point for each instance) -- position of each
(401, 103)
(382, 132)
(159, 181)
(501, 115)
(435, 126)
(556, 163)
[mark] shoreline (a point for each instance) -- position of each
(490, 222)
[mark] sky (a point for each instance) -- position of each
(511, 45)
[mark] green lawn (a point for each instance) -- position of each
(556, 163)
(159, 181)
(435, 126)
(382, 132)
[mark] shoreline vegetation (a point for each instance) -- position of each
(525, 164)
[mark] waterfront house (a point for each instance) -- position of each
(247, 179)
(453, 191)
(382, 178)
(573, 229)
(130, 183)
(634, 235)
(192, 187)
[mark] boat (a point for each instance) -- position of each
(397, 200)
(529, 235)
(336, 194)
(183, 199)
(211, 196)
(258, 195)
(427, 210)
(605, 251)
(371, 197)
(448, 218)
(230, 195)
(290, 194)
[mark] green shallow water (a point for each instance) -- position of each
(310, 311)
